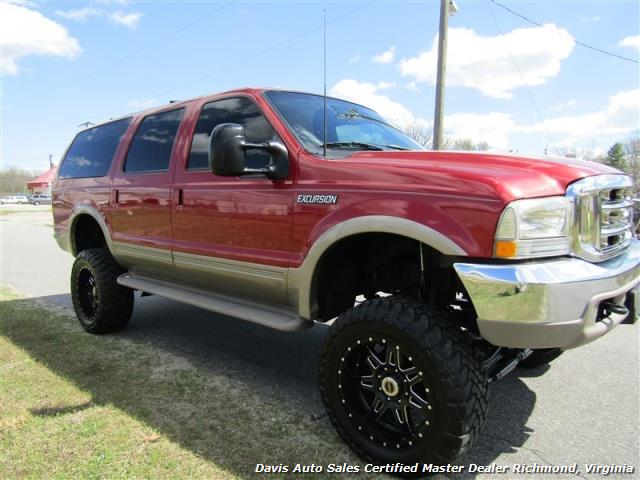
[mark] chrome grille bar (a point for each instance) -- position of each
(603, 216)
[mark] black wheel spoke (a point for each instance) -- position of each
(414, 380)
(373, 361)
(379, 408)
(416, 400)
(393, 353)
(367, 383)
(409, 371)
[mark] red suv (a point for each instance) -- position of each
(445, 270)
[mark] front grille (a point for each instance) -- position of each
(616, 219)
(603, 219)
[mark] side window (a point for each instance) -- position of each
(151, 147)
(91, 152)
(239, 110)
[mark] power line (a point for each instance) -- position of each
(526, 86)
(130, 54)
(269, 48)
(286, 41)
(582, 44)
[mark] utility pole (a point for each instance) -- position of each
(50, 161)
(447, 7)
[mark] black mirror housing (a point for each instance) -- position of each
(227, 154)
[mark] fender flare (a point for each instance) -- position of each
(301, 279)
(95, 215)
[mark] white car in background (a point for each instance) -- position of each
(15, 199)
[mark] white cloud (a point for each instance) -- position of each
(413, 86)
(493, 128)
(382, 85)
(367, 94)
(24, 3)
(563, 105)
(129, 20)
(632, 41)
(354, 59)
(619, 117)
(487, 63)
(80, 14)
(125, 19)
(385, 57)
(594, 19)
(26, 32)
(142, 103)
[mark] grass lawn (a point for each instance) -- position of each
(73, 405)
(5, 211)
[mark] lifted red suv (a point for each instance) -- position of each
(264, 205)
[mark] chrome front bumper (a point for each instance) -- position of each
(548, 304)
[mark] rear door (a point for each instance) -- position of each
(141, 194)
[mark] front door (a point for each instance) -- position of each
(232, 234)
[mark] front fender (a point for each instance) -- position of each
(301, 278)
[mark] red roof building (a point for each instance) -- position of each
(42, 184)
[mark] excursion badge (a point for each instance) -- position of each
(318, 199)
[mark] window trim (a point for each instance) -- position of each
(133, 137)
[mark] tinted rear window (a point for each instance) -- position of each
(91, 153)
(152, 144)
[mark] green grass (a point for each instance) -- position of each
(4, 211)
(74, 405)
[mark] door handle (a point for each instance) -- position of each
(116, 197)
(179, 199)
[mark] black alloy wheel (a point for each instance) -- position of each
(384, 392)
(401, 383)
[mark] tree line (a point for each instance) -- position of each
(13, 180)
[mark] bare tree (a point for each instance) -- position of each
(482, 146)
(583, 153)
(464, 144)
(420, 132)
(632, 150)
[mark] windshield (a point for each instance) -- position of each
(349, 126)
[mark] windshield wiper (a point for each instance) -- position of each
(395, 147)
(361, 145)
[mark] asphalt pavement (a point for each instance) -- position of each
(584, 408)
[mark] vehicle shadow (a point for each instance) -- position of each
(279, 368)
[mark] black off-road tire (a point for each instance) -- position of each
(101, 305)
(458, 385)
(540, 357)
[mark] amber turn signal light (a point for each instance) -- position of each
(505, 248)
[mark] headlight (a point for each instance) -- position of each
(537, 227)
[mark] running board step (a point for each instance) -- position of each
(263, 314)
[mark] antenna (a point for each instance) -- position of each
(324, 95)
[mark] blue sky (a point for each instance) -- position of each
(510, 83)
